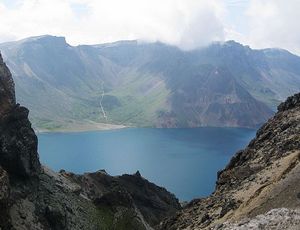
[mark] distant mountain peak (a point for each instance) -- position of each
(276, 51)
(235, 44)
(117, 43)
(44, 39)
(232, 42)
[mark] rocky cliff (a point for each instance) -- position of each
(34, 197)
(262, 177)
(7, 90)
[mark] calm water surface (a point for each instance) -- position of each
(185, 161)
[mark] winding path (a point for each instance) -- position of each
(100, 102)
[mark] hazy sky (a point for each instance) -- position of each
(185, 23)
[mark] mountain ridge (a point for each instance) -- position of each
(148, 84)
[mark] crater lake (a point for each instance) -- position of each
(184, 161)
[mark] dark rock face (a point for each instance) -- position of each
(290, 103)
(7, 90)
(263, 176)
(91, 201)
(4, 200)
(18, 144)
(4, 185)
(154, 202)
(132, 192)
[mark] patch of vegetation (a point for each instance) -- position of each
(125, 219)
(46, 124)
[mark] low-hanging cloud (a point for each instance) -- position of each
(185, 23)
(274, 24)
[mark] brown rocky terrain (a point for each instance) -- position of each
(34, 197)
(280, 218)
(262, 177)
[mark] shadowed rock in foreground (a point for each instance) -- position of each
(7, 89)
(263, 176)
(33, 197)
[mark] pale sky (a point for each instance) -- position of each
(187, 24)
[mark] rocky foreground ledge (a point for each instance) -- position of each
(262, 177)
(281, 218)
(33, 197)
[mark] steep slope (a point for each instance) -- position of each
(47, 71)
(201, 92)
(149, 84)
(217, 100)
(266, 74)
(262, 177)
(33, 197)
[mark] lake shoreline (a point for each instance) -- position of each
(78, 128)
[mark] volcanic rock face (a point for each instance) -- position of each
(4, 195)
(18, 143)
(33, 197)
(7, 90)
(258, 179)
(130, 191)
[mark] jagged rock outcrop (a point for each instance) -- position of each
(18, 142)
(133, 192)
(7, 90)
(263, 176)
(91, 201)
(33, 197)
(290, 103)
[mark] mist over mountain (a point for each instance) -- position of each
(149, 84)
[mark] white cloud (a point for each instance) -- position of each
(274, 24)
(186, 23)
(34, 17)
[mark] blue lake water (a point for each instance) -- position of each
(185, 161)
